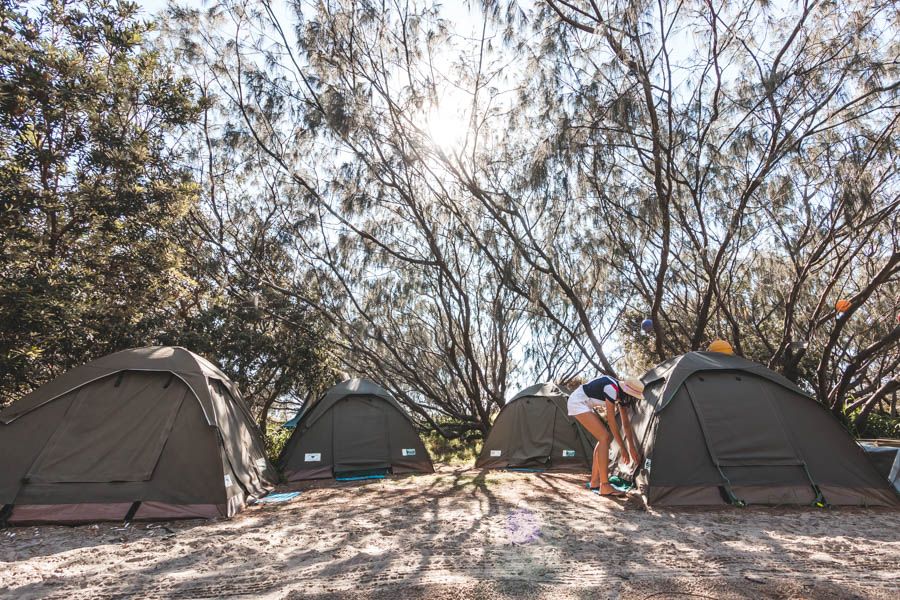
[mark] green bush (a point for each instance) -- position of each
(460, 451)
(878, 425)
(276, 437)
(881, 426)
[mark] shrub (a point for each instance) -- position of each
(880, 426)
(276, 437)
(458, 451)
(877, 425)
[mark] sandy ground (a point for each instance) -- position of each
(465, 534)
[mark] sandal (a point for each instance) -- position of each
(615, 493)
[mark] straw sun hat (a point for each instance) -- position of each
(633, 387)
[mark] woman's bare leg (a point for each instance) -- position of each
(596, 477)
(600, 470)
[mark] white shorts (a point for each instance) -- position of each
(580, 403)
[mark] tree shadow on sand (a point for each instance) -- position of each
(515, 531)
(31, 541)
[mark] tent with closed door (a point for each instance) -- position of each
(719, 429)
(356, 428)
(534, 431)
(149, 433)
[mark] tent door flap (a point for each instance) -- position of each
(739, 422)
(360, 435)
(744, 432)
(115, 430)
(533, 428)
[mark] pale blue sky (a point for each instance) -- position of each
(454, 9)
(151, 7)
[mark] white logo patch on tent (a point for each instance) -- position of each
(647, 465)
(228, 481)
(568, 453)
(261, 464)
(312, 457)
(409, 452)
(495, 452)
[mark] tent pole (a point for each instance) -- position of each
(132, 511)
(820, 498)
(5, 514)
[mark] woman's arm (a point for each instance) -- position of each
(628, 430)
(614, 428)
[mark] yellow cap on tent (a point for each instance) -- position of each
(720, 346)
(634, 388)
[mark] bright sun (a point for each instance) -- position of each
(447, 122)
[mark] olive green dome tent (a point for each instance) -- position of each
(355, 428)
(719, 429)
(148, 433)
(533, 431)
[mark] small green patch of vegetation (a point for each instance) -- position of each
(457, 451)
(276, 437)
(879, 426)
